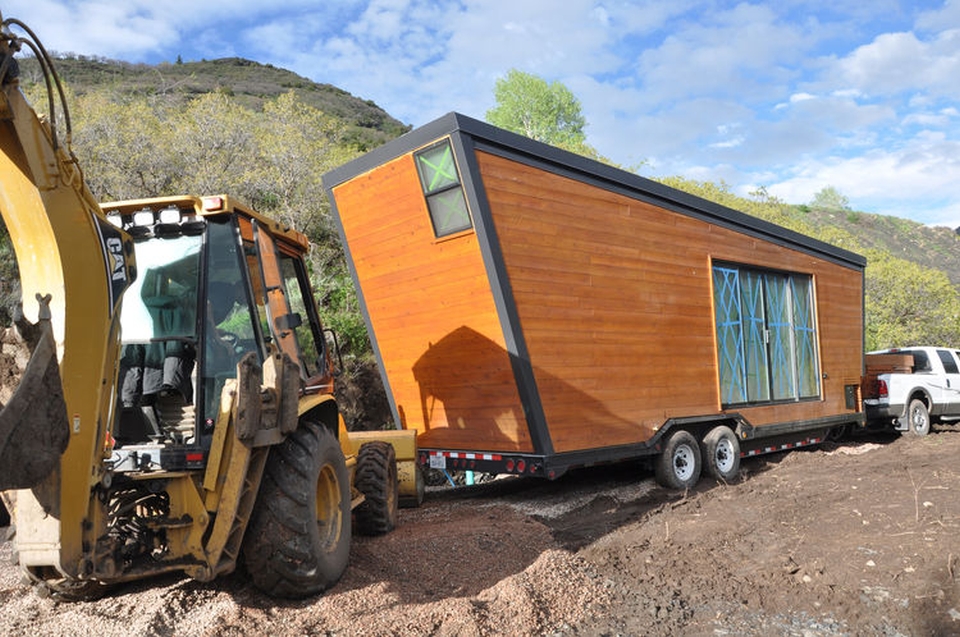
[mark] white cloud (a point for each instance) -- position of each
(918, 180)
(900, 62)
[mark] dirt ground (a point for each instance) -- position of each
(858, 538)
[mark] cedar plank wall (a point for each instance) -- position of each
(615, 302)
(433, 315)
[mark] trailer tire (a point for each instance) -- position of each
(298, 539)
(679, 464)
(376, 479)
(918, 417)
(721, 454)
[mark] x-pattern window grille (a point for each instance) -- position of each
(440, 181)
(766, 335)
(729, 336)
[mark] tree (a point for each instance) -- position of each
(829, 198)
(546, 112)
(908, 304)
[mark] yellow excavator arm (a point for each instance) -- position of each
(74, 267)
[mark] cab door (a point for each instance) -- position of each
(951, 388)
(280, 319)
(291, 313)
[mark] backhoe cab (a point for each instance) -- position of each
(178, 412)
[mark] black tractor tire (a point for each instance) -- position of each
(721, 454)
(376, 479)
(298, 540)
(918, 418)
(679, 464)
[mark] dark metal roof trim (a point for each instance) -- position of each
(505, 143)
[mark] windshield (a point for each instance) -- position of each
(158, 322)
(162, 302)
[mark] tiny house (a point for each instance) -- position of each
(533, 310)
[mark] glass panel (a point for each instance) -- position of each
(306, 339)
(780, 326)
(755, 336)
(805, 335)
(229, 321)
(949, 365)
(920, 361)
(159, 321)
(448, 210)
(726, 290)
(437, 168)
(278, 307)
(168, 274)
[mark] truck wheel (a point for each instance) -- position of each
(721, 454)
(377, 480)
(678, 465)
(298, 539)
(918, 418)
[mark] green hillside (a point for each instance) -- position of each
(932, 247)
(249, 83)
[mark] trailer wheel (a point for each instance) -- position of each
(721, 454)
(678, 465)
(918, 418)
(298, 539)
(377, 480)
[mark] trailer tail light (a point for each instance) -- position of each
(882, 390)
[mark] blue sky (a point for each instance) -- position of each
(792, 96)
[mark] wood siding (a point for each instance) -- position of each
(615, 303)
(433, 315)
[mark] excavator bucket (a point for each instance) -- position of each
(34, 430)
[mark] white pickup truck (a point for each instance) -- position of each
(906, 388)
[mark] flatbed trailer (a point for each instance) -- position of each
(533, 310)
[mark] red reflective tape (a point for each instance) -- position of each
(464, 455)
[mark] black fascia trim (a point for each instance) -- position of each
(648, 191)
(363, 309)
(513, 146)
(492, 255)
(406, 143)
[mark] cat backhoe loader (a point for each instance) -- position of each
(177, 412)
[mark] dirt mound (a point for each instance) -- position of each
(853, 539)
(361, 396)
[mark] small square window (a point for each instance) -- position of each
(440, 182)
(437, 168)
(448, 210)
